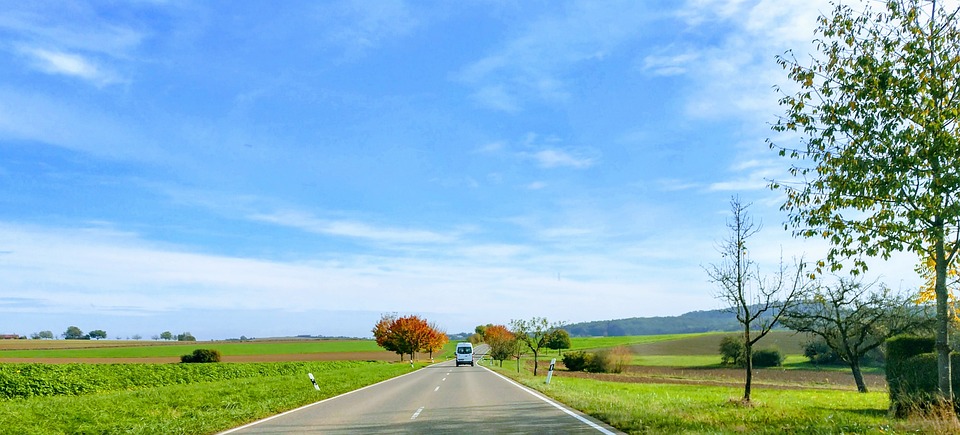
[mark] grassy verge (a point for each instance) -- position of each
(662, 408)
(205, 407)
(127, 349)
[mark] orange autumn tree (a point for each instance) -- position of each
(405, 335)
(501, 341)
(436, 339)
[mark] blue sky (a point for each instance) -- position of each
(267, 169)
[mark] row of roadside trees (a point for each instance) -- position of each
(408, 335)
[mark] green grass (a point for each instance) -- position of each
(176, 350)
(665, 408)
(205, 407)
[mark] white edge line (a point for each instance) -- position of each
(251, 424)
(536, 394)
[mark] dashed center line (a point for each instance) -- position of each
(417, 414)
(443, 380)
(436, 389)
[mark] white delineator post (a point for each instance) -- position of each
(550, 372)
(314, 381)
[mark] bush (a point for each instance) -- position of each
(575, 361)
(202, 356)
(600, 362)
(767, 358)
(818, 352)
(912, 375)
(731, 351)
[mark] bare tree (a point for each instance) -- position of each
(854, 320)
(758, 301)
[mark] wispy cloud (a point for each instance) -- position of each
(358, 26)
(531, 65)
(69, 64)
(558, 158)
(353, 229)
(669, 64)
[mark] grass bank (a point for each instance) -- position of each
(666, 408)
(196, 408)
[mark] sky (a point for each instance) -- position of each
(300, 168)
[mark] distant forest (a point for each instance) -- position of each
(696, 321)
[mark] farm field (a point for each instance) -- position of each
(120, 351)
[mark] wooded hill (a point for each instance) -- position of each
(695, 321)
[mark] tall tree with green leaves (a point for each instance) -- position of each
(878, 165)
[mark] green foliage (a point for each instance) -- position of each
(97, 334)
(878, 168)
(559, 339)
(575, 361)
(202, 356)
(819, 352)
(74, 333)
(186, 336)
(166, 335)
(29, 380)
(731, 351)
(767, 358)
(912, 374)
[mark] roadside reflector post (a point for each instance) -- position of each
(314, 381)
(550, 372)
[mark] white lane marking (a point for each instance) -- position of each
(314, 403)
(554, 404)
(416, 414)
(435, 389)
(443, 380)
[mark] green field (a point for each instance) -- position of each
(128, 349)
(207, 405)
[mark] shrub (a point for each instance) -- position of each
(818, 352)
(767, 358)
(575, 361)
(731, 351)
(600, 362)
(202, 356)
(912, 375)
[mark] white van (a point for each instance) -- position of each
(464, 354)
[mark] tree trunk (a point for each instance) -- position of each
(858, 376)
(534, 363)
(943, 316)
(748, 364)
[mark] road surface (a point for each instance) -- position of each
(440, 398)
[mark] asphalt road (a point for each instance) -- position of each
(440, 398)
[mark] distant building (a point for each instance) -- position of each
(9, 336)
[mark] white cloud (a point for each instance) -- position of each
(669, 64)
(557, 158)
(536, 185)
(353, 229)
(69, 64)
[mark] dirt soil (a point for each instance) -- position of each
(764, 378)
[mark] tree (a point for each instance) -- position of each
(73, 333)
(852, 320)
(879, 161)
(757, 301)
(436, 339)
(404, 335)
(501, 341)
(731, 351)
(42, 335)
(559, 340)
(98, 334)
(166, 335)
(186, 336)
(533, 333)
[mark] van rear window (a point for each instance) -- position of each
(464, 350)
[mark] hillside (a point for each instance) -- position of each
(695, 321)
